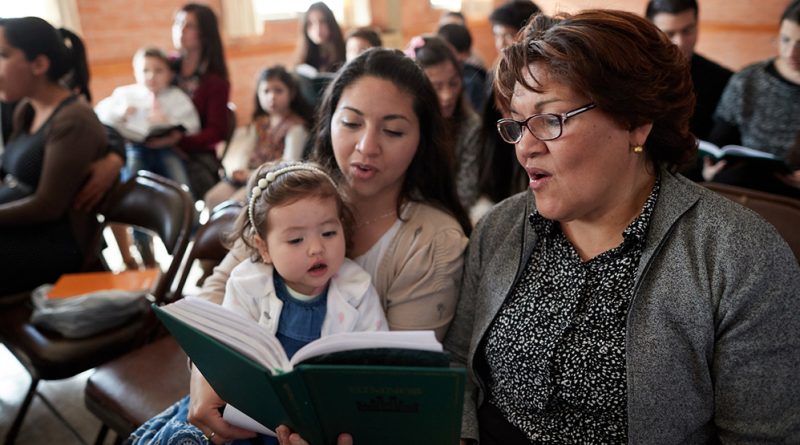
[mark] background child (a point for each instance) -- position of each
(152, 102)
(299, 285)
(281, 121)
(135, 110)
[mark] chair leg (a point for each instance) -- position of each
(61, 418)
(118, 439)
(101, 435)
(11, 436)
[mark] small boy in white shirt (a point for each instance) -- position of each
(151, 107)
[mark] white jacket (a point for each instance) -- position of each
(174, 103)
(353, 304)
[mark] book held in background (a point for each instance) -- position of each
(391, 387)
(740, 153)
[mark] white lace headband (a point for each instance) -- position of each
(263, 183)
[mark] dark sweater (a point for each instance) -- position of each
(709, 81)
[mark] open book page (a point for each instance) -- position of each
(250, 339)
(242, 420)
(240, 333)
(350, 341)
(733, 150)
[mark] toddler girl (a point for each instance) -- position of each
(299, 285)
(281, 120)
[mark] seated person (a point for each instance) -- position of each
(55, 138)
(281, 120)
(759, 110)
(360, 40)
(140, 109)
(459, 37)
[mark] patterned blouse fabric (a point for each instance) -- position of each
(271, 141)
(556, 350)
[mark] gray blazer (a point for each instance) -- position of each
(713, 330)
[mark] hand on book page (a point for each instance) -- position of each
(338, 387)
(247, 337)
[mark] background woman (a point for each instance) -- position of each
(759, 109)
(54, 140)
(379, 135)
(463, 126)
(203, 75)
(321, 44)
(618, 302)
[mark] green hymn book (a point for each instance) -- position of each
(391, 387)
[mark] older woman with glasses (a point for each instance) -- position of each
(617, 301)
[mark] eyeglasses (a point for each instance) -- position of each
(545, 126)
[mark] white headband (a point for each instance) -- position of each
(264, 182)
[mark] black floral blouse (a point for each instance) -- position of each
(556, 349)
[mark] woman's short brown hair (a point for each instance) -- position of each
(622, 63)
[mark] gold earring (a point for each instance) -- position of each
(638, 149)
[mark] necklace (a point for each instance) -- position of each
(374, 220)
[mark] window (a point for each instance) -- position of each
(278, 10)
(450, 5)
(60, 13)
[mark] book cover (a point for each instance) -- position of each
(410, 397)
(74, 284)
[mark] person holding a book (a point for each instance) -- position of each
(149, 108)
(379, 135)
(617, 301)
(203, 75)
(55, 138)
(297, 284)
(759, 110)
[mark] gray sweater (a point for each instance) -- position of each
(713, 331)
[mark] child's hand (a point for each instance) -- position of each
(130, 111)
(240, 175)
(158, 117)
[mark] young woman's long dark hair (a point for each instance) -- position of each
(212, 55)
(329, 56)
(35, 37)
(429, 177)
(298, 104)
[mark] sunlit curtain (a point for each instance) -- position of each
(68, 14)
(239, 18)
(357, 13)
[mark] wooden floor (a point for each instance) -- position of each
(41, 427)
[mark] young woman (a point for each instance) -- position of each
(380, 135)
(463, 125)
(759, 109)
(203, 75)
(321, 43)
(54, 140)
